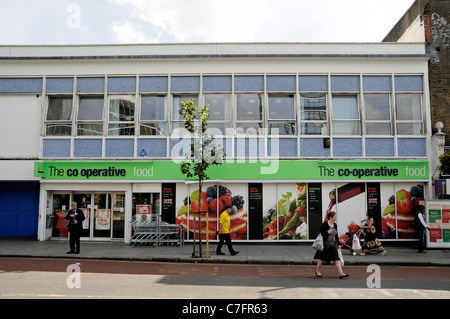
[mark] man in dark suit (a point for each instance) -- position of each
(75, 217)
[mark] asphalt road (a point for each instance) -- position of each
(25, 278)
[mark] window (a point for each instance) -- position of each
(281, 114)
(345, 115)
(121, 115)
(59, 116)
(90, 116)
(176, 117)
(377, 114)
(409, 114)
(249, 114)
(219, 113)
(313, 109)
(153, 115)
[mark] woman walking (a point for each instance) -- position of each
(330, 250)
(372, 244)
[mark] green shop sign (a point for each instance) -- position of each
(236, 170)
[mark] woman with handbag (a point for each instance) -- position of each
(330, 250)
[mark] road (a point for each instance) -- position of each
(24, 278)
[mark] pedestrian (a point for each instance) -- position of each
(371, 245)
(330, 246)
(224, 232)
(421, 227)
(75, 217)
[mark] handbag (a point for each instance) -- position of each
(318, 243)
(340, 256)
(356, 243)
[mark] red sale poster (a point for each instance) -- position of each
(445, 214)
(435, 235)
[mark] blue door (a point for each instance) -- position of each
(19, 209)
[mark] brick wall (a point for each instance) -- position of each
(437, 35)
(435, 15)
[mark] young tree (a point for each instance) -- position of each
(204, 152)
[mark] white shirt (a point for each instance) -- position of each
(422, 220)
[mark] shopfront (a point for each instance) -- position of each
(104, 212)
(275, 200)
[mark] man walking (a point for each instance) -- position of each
(75, 217)
(224, 232)
(421, 226)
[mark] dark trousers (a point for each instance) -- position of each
(422, 234)
(74, 241)
(225, 238)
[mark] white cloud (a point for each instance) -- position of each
(202, 20)
(127, 32)
(172, 21)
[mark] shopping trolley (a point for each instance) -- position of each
(156, 233)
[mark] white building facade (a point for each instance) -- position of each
(306, 128)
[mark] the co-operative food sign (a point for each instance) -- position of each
(237, 170)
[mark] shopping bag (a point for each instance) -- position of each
(318, 243)
(340, 256)
(356, 245)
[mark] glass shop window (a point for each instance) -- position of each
(249, 113)
(58, 121)
(377, 114)
(313, 110)
(153, 115)
(146, 207)
(60, 206)
(219, 113)
(281, 114)
(409, 118)
(346, 120)
(90, 116)
(121, 115)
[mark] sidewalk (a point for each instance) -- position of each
(249, 253)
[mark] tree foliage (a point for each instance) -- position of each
(204, 151)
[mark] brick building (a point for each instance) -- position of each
(428, 21)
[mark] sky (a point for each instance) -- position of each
(44, 22)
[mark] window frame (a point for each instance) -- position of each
(290, 124)
(142, 123)
(101, 121)
(121, 123)
(214, 123)
(59, 123)
(419, 95)
(322, 122)
(378, 121)
(339, 121)
(246, 126)
(177, 123)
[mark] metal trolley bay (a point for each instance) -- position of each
(156, 233)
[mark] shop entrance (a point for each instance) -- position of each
(105, 215)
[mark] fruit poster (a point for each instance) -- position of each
(285, 214)
(438, 219)
(399, 206)
(211, 203)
